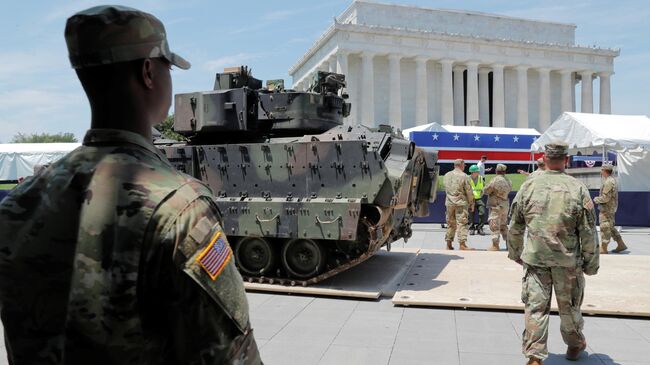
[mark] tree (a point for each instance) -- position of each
(166, 128)
(44, 138)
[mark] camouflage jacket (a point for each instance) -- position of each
(535, 173)
(458, 190)
(559, 215)
(497, 190)
(102, 261)
(608, 198)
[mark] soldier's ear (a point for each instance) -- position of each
(147, 73)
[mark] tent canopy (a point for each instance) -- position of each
(18, 159)
(584, 130)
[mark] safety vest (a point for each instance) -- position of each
(477, 188)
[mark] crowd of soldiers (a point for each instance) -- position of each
(111, 256)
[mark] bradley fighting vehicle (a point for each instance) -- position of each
(303, 196)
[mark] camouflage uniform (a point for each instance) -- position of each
(608, 203)
(111, 256)
(562, 244)
(497, 191)
(535, 173)
(459, 197)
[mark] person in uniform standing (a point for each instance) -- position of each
(608, 204)
(477, 182)
(459, 199)
(497, 191)
(561, 246)
(110, 255)
(541, 167)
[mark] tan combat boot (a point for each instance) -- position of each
(603, 248)
(495, 246)
(573, 353)
(534, 361)
(449, 246)
(464, 247)
(620, 246)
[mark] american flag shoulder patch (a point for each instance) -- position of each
(216, 255)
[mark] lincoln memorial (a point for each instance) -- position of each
(407, 66)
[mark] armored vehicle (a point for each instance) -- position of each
(303, 196)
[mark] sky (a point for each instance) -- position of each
(39, 92)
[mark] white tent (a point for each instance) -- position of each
(18, 159)
(628, 135)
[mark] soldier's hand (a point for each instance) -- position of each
(471, 209)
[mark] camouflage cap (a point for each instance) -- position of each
(112, 33)
(607, 167)
(556, 149)
(501, 167)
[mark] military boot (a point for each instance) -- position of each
(495, 246)
(449, 246)
(472, 231)
(534, 361)
(603, 248)
(620, 246)
(480, 231)
(573, 353)
(464, 247)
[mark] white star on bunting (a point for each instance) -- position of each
(435, 136)
(496, 138)
(476, 138)
(516, 139)
(456, 137)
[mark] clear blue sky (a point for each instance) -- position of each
(39, 92)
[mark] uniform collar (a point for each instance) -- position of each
(119, 136)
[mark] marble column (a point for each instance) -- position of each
(484, 96)
(368, 87)
(472, 92)
(544, 98)
(395, 91)
(342, 62)
(447, 99)
(566, 94)
(421, 95)
(459, 96)
(605, 93)
(331, 61)
(587, 96)
(498, 97)
(522, 96)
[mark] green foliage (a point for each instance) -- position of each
(516, 179)
(166, 128)
(44, 138)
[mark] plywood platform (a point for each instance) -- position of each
(378, 276)
(481, 279)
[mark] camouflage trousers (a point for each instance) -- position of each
(537, 285)
(608, 228)
(457, 219)
(498, 221)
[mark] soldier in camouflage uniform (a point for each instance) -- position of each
(459, 198)
(541, 166)
(561, 246)
(111, 256)
(608, 203)
(497, 191)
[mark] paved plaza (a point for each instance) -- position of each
(294, 329)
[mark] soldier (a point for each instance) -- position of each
(497, 191)
(110, 256)
(477, 182)
(459, 199)
(541, 167)
(562, 244)
(608, 203)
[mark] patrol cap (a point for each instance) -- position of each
(473, 168)
(458, 162)
(607, 167)
(501, 167)
(556, 149)
(108, 34)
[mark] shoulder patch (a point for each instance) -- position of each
(588, 204)
(216, 255)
